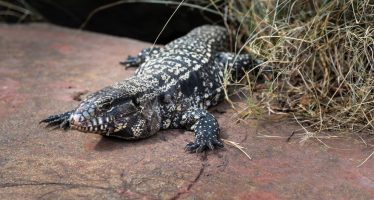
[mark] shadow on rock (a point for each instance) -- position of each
(110, 143)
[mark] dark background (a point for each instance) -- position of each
(142, 21)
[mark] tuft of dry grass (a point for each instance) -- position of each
(321, 53)
(17, 11)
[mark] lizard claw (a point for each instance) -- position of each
(191, 147)
(210, 145)
(200, 146)
(58, 121)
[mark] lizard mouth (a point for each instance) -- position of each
(91, 125)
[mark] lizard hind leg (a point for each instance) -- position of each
(236, 64)
(206, 130)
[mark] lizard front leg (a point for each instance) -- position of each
(205, 127)
(136, 61)
(60, 120)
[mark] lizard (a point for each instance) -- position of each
(172, 88)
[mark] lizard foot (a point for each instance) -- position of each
(130, 62)
(203, 143)
(58, 121)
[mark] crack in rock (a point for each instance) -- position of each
(191, 184)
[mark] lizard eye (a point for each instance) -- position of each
(134, 102)
(105, 104)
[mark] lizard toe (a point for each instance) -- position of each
(191, 147)
(57, 121)
(201, 148)
(210, 145)
(218, 143)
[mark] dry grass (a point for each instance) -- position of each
(238, 146)
(17, 11)
(321, 54)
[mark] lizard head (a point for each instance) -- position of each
(111, 112)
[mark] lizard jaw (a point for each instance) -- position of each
(92, 125)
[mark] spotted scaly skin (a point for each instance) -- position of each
(172, 88)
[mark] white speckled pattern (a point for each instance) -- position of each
(172, 88)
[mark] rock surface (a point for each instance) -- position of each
(45, 69)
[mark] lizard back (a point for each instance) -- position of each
(183, 74)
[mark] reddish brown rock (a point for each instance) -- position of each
(43, 68)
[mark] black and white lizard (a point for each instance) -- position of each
(172, 88)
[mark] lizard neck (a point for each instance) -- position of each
(143, 89)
